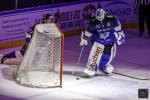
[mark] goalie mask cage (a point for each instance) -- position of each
(42, 63)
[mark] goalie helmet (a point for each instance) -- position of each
(100, 14)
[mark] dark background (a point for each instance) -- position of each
(6, 5)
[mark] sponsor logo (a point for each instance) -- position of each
(115, 8)
(88, 11)
(95, 57)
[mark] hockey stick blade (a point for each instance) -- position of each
(131, 76)
(81, 75)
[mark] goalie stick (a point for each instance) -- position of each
(130, 76)
(82, 75)
(77, 65)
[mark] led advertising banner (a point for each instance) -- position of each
(73, 17)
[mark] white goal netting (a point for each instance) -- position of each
(42, 63)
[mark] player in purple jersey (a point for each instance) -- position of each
(47, 18)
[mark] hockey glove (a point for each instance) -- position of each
(83, 42)
(120, 37)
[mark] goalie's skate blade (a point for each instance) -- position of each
(102, 75)
(131, 76)
(83, 75)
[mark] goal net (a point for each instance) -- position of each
(42, 63)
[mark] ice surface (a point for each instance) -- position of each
(132, 58)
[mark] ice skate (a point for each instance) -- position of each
(87, 73)
(107, 72)
(102, 73)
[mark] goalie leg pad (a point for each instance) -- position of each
(94, 58)
(106, 59)
(113, 50)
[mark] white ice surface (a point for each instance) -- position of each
(132, 58)
(99, 88)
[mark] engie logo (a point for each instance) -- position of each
(119, 7)
(88, 11)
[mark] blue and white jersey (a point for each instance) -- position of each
(105, 31)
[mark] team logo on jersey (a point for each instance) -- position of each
(104, 35)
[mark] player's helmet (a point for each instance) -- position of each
(48, 18)
(100, 14)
